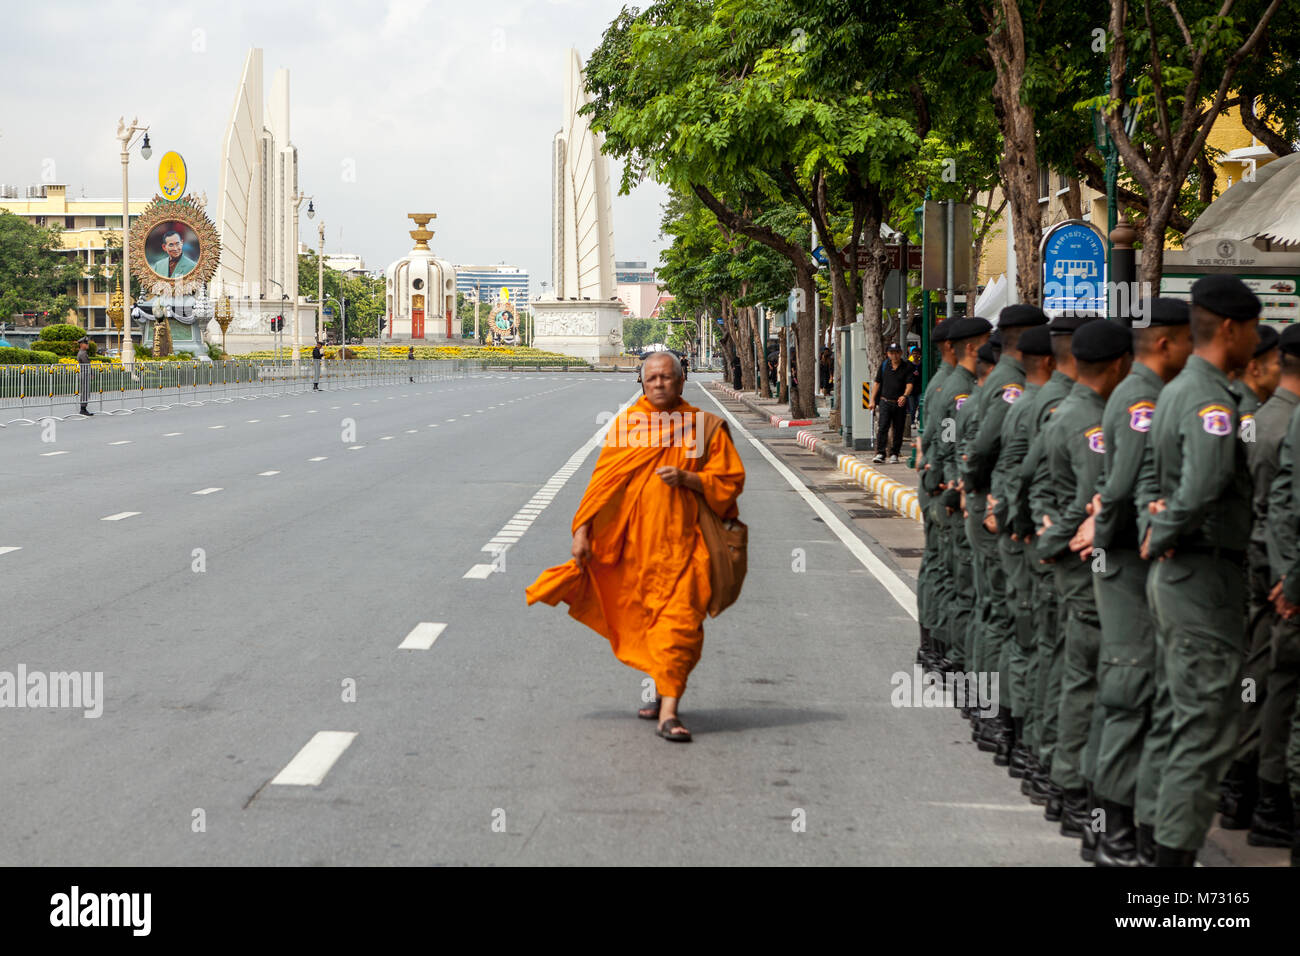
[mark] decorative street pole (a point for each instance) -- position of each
(297, 331)
(320, 285)
(125, 135)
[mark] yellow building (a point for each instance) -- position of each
(86, 223)
(1239, 155)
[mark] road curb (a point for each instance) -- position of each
(776, 420)
(892, 494)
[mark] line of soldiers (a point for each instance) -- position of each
(1112, 529)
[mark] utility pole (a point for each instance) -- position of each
(320, 284)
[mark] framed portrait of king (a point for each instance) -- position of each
(174, 246)
(172, 250)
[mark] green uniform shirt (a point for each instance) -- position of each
(968, 418)
(1283, 524)
(1247, 400)
(1005, 485)
(1074, 454)
(1194, 461)
(1004, 385)
(1263, 458)
(933, 398)
(957, 391)
(1045, 403)
(1124, 428)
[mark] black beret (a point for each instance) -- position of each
(940, 332)
(1268, 340)
(1227, 296)
(1100, 341)
(1021, 315)
(987, 354)
(1289, 340)
(1164, 311)
(1067, 324)
(1036, 340)
(966, 327)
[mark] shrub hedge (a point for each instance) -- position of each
(61, 332)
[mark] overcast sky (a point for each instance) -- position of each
(439, 106)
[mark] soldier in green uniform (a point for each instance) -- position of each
(1128, 755)
(1035, 344)
(1239, 791)
(938, 605)
(1048, 638)
(1277, 425)
(1004, 385)
(1194, 501)
(966, 334)
(1075, 451)
(966, 421)
(932, 586)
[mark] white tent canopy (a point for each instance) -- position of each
(1266, 208)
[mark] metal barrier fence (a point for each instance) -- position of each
(32, 392)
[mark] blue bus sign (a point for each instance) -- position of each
(1074, 269)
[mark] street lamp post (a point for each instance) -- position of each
(297, 330)
(320, 284)
(125, 135)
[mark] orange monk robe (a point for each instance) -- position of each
(646, 585)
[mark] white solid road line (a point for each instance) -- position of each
(891, 582)
(206, 491)
(422, 636)
(9, 550)
(310, 765)
(120, 515)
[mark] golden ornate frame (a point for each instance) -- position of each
(190, 212)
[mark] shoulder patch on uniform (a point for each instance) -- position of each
(1216, 419)
(1096, 441)
(959, 399)
(1011, 392)
(1139, 416)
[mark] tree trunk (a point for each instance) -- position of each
(783, 369)
(1019, 163)
(760, 352)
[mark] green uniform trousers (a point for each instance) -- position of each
(1280, 704)
(997, 622)
(1199, 604)
(980, 580)
(1017, 649)
(1259, 634)
(1049, 661)
(1074, 762)
(961, 575)
(1126, 690)
(935, 595)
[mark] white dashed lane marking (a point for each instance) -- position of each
(120, 515)
(321, 458)
(422, 636)
(266, 474)
(310, 765)
(206, 491)
(119, 443)
(9, 550)
(51, 454)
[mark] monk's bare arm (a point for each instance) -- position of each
(582, 544)
(680, 478)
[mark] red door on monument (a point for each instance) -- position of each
(417, 323)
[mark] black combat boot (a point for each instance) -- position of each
(1020, 755)
(86, 411)
(1273, 820)
(1118, 845)
(1074, 816)
(1146, 844)
(1031, 768)
(1237, 795)
(1179, 858)
(1091, 834)
(1005, 740)
(988, 734)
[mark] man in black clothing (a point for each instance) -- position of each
(316, 354)
(889, 396)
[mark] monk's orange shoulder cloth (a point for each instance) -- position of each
(641, 440)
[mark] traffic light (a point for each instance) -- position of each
(277, 324)
(382, 323)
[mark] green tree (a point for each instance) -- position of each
(35, 275)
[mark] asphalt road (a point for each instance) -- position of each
(270, 564)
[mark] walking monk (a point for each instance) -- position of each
(640, 569)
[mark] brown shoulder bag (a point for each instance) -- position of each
(726, 539)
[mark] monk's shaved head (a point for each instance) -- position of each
(662, 380)
(678, 372)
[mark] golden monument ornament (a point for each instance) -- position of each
(171, 176)
(115, 310)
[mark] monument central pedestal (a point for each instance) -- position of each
(584, 328)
